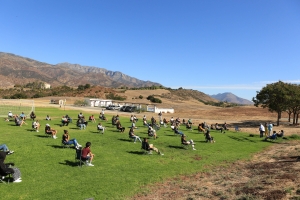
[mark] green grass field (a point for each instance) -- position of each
(121, 170)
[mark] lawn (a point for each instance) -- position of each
(121, 170)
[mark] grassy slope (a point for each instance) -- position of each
(50, 172)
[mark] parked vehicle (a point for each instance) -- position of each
(113, 107)
(123, 108)
(131, 109)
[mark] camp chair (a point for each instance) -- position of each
(5, 176)
(65, 145)
(78, 157)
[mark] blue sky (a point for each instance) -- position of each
(213, 46)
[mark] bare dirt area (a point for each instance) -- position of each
(272, 174)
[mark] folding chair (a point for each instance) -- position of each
(146, 152)
(4, 177)
(65, 145)
(78, 157)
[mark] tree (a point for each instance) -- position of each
(274, 97)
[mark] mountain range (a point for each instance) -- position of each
(20, 70)
(229, 97)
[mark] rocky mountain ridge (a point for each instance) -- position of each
(231, 98)
(20, 70)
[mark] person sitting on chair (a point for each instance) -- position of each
(133, 136)
(81, 123)
(92, 119)
(133, 125)
(208, 137)
(120, 127)
(69, 118)
(219, 128)
(149, 147)
(272, 137)
(152, 132)
(36, 125)
(188, 126)
(22, 116)
(185, 142)
(280, 133)
(66, 140)
(48, 118)
(200, 128)
(87, 154)
(19, 121)
(176, 131)
(32, 115)
(80, 115)
(225, 126)
(4, 148)
(64, 121)
(10, 114)
(5, 169)
(50, 131)
(100, 127)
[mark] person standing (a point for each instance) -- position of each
(261, 130)
(266, 129)
(270, 128)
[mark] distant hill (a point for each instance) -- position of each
(20, 70)
(231, 98)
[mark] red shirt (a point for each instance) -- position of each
(85, 152)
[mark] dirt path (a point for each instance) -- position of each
(272, 174)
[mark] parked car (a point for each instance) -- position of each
(123, 108)
(131, 109)
(113, 107)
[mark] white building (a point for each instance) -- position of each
(98, 102)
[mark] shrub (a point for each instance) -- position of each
(153, 99)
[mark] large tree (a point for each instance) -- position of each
(274, 97)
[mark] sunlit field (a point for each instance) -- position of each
(121, 170)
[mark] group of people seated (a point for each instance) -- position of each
(275, 135)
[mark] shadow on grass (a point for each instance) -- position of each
(136, 152)
(125, 140)
(241, 139)
(76, 128)
(61, 147)
(70, 163)
(43, 136)
(176, 147)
